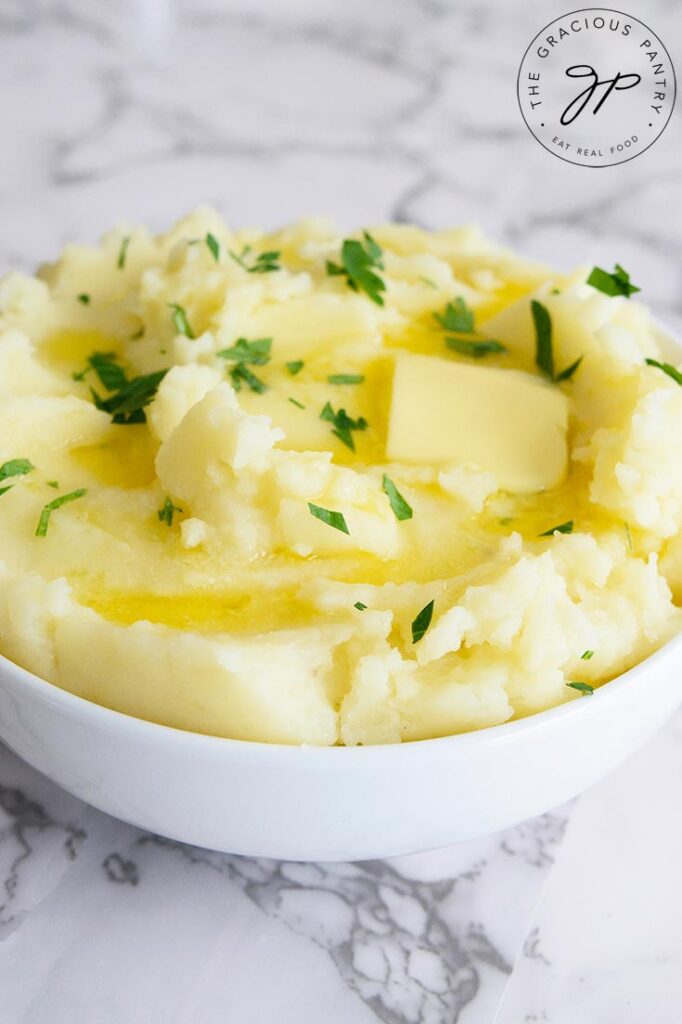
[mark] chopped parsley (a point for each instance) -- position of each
(52, 506)
(123, 253)
(111, 375)
(359, 262)
(295, 402)
(360, 606)
(256, 352)
(457, 317)
(584, 688)
(180, 321)
(138, 334)
(126, 405)
(244, 352)
(213, 246)
(566, 527)
(616, 283)
(544, 354)
(668, 368)
(476, 349)
(343, 424)
(240, 374)
(331, 518)
(569, 371)
(53, 483)
(401, 509)
(264, 263)
(295, 366)
(167, 511)
(422, 622)
(15, 467)
(586, 655)
(84, 298)
(345, 378)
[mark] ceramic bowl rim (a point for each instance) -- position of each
(576, 707)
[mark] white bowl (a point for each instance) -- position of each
(333, 803)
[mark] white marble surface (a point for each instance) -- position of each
(395, 109)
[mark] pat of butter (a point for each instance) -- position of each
(507, 422)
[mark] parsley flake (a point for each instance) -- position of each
(244, 352)
(401, 509)
(422, 622)
(241, 374)
(569, 371)
(213, 246)
(84, 298)
(544, 354)
(586, 655)
(331, 518)
(360, 606)
(126, 405)
(295, 402)
(123, 252)
(345, 378)
(667, 368)
(15, 467)
(457, 317)
(295, 366)
(167, 511)
(52, 506)
(265, 263)
(256, 352)
(343, 424)
(566, 527)
(359, 262)
(111, 375)
(584, 688)
(616, 283)
(476, 349)
(180, 321)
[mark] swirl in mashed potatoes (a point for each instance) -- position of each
(302, 488)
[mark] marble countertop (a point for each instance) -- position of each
(402, 109)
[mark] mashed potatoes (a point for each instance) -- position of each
(306, 489)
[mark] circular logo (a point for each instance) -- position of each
(596, 87)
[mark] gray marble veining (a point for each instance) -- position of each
(416, 941)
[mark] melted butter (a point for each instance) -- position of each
(69, 349)
(203, 612)
(127, 460)
(533, 514)
(503, 297)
